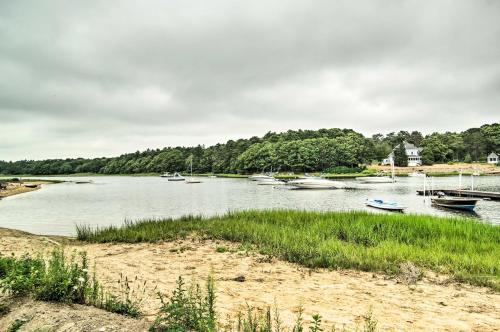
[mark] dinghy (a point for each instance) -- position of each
(379, 203)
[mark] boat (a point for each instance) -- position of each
(456, 203)
(192, 180)
(271, 182)
(416, 174)
(176, 177)
(382, 204)
(375, 179)
(167, 175)
(316, 183)
(260, 177)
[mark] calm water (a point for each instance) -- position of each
(57, 208)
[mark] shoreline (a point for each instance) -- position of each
(436, 170)
(244, 276)
(17, 188)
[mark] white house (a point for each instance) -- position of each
(413, 153)
(492, 158)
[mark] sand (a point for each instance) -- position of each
(342, 297)
(15, 188)
(489, 169)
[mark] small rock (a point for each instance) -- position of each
(239, 279)
(102, 329)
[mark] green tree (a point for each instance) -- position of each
(400, 157)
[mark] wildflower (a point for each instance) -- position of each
(81, 279)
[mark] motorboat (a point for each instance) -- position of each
(167, 175)
(176, 177)
(375, 179)
(316, 183)
(271, 182)
(456, 203)
(260, 177)
(382, 204)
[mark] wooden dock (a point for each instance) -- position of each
(494, 196)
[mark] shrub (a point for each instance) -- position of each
(63, 280)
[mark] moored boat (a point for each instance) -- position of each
(167, 175)
(270, 182)
(316, 183)
(260, 177)
(375, 179)
(457, 203)
(382, 204)
(176, 177)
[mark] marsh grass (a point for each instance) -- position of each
(463, 248)
(66, 280)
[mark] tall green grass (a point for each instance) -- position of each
(466, 249)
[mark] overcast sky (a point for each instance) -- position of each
(101, 78)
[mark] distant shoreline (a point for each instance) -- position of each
(437, 170)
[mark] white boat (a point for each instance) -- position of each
(260, 177)
(416, 174)
(270, 182)
(192, 180)
(375, 179)
(316, 183)
(167, 175)
(176, 177)
(379, 203)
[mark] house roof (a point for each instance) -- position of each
(493, 155)
(409, 146)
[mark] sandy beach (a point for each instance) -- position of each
(485, 169)
(16, 188)
(245, 277)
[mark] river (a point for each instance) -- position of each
(109, 200)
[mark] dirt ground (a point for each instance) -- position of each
(342, 297)
(444, 168)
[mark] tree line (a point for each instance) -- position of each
(293, 150)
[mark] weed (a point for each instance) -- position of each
(17, 324)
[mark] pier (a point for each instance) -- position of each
(494, 196)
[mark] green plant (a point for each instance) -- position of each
(221, 249)
(61, 280)
(4, 309)
(370, 322)
(188, 309)
(17, 324)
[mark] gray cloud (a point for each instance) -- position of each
(97, 78)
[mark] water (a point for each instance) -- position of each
(57, 208)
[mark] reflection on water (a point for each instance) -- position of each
(56, 209)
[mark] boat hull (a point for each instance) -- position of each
(464, 204)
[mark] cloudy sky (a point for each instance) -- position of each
(101, 78)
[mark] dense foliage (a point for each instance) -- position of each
(294, 150)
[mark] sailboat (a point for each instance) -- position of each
(192, 180)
